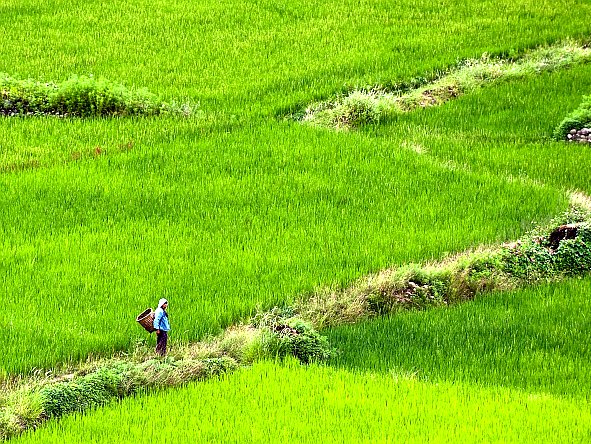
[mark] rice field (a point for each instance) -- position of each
(242, 227)
(506, 130)
(275, 403)
(234, 208)
(533, 340)
(510, 367)
(230, 209)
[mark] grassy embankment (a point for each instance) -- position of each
(507, 367)
(227, 210)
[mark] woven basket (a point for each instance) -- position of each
(146, 319)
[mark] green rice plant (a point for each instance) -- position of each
(481, 130)
(279, 403)
(532, 339)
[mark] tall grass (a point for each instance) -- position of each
(535, 340)
(228, 210)
(272, 403)
(219, 226)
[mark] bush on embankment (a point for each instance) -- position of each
(560, 250)
(577, 120)
(276, 334)
(79, 96)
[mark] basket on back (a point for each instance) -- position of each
(146, 319)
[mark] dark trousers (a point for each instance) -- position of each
(161, 340)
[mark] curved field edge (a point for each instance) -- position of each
(534, 339)
(558, 250)
(545, 256)
(373, 104)
(270, 402)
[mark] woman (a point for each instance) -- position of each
(162, 327)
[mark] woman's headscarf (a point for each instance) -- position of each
(161, 302)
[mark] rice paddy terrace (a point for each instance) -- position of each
(161, 149)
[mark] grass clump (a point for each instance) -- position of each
(578, 119)
(38, 401)
(79, 96)
(370, 105)
(287, 335)
(546, 255)
(353, 110)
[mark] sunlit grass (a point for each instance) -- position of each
(229, 209)
(275, 403)
(535, 339)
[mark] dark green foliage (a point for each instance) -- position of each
(79, 96)
(530, 261)
(578, 119)
(288, 335)
(123, 379)
(78, 395)
(535, 259)
(573, 256)
(308, 345)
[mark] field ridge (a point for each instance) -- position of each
(370, 105)
(291, 330)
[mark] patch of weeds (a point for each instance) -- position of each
(411, 287)
(358, 109)
(80, 96)
(283, 334)
(529, 261)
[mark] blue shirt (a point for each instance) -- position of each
(161, 320)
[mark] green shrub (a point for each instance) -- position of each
(529, 261)
(9, 426)
(89, 391)
(283, 334)
(573, 256)
(79, 96)
(578, 119)
(308, 345)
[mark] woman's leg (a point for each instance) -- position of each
(161, 340)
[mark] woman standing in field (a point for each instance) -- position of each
(162, 326)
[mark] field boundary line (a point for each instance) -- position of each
(375, 104)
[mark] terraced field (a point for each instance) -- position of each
(509, 367)
(234, 207)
